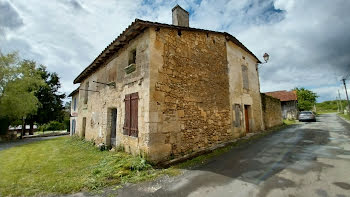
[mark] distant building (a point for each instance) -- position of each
(74, 110)
(289, 101)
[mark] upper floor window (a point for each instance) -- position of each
(245, 77)
(132, 57)
(75, 103)
(132, 62)
(86, 95)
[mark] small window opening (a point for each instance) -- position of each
(213, 41)
(86, 96)
(132, 57)
(179, 32)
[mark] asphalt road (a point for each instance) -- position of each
(310, 159)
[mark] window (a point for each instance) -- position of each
(132, 57)
(131, 115)
(73, 126)
(237, 115)
(245, 77)
(75, 103)
(86, 93)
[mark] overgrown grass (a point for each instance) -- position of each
(289, 122)
(67, 165)
(325, 111)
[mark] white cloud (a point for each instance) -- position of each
(308, 40)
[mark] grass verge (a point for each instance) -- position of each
(289, 122)
(347, 116)
(66, 165)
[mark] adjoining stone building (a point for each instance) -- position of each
(289, 103)
(74, 110)
(163, 91)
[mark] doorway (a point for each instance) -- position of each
(246, 117)
(84, 128)
(113, 127)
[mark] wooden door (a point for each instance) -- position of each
(246, 118)
(84, 127)
(113, 127)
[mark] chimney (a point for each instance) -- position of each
(180, 16)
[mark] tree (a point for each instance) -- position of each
(51, 107)
(306, 99)
(19, 81)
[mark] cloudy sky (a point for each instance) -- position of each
(308, 40)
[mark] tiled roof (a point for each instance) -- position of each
(283, 95)
(137, 27)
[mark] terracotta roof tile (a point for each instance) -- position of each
(283, 95)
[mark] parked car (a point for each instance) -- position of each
(307, 116)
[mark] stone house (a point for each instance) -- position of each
(74, 110)
(289, 103)
(163, 91)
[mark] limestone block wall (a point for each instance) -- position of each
(236, 58)
(102, 98)
(189, 92)
(271, 111)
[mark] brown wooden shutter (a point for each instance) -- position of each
(126, 127)
(134, 114)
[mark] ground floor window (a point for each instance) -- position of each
(131, 115)
(73, 126)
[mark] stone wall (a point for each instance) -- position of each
(102, 98)
(271, 111)
(289, 110)
(239, 96)
(189, 89)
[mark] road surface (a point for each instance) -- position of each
(309, 159)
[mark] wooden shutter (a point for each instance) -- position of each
(126, 127)
(134, 114)
(237, 115)
(245, 77)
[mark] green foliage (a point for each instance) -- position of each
(52, 126)
(51, 107)
(306, 99)
(330, 106)
(4, 124)
(18, 86)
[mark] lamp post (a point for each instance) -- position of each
(266, 57)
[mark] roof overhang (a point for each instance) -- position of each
(133, 30)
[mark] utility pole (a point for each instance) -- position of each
(341, 105)
(336, 98)
(347, 97)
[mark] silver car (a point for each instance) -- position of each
(307, 116)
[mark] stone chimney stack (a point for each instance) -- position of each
(180, 16)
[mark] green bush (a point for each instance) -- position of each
(52, 126)
(4, 125)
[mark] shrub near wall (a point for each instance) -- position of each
(52, 126)
(272, 111)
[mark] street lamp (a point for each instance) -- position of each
(266, 57)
